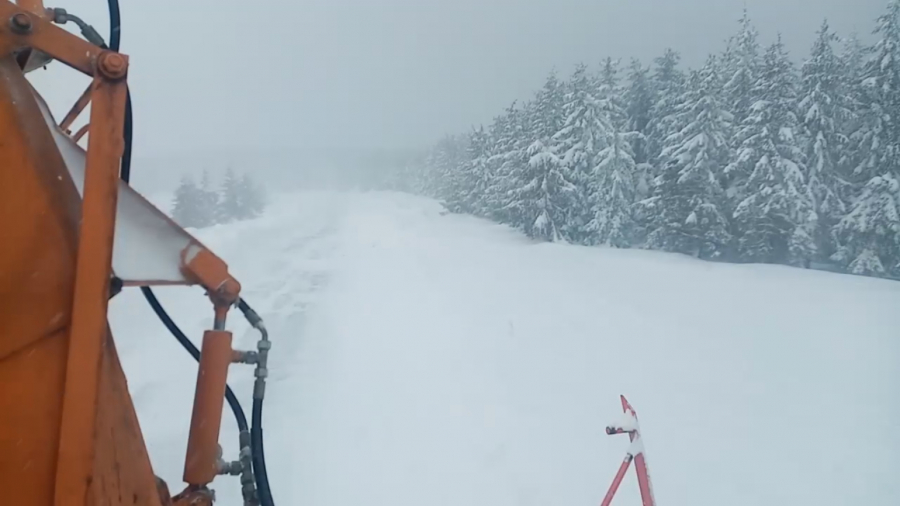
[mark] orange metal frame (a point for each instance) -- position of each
(76, 109)
(69, 435)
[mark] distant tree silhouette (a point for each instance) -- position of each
(197, 206)
(189, 206)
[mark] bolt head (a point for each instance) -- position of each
(112, 65)
(20, 23)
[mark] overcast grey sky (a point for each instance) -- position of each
(228, 75)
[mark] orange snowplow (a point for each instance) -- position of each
(73, 234)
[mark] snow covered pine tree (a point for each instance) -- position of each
(870, 234)
(776, 218)
(687, 211)
(824, 109)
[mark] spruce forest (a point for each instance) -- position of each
(752, 157)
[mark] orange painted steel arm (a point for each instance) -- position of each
(76, 109)
(74, 471)
(35, 6)
(81, 131)
(21, 28)
(210, 272)
(201, 460)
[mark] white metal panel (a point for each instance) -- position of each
(147, 245)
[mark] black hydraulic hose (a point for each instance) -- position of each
(257, 447)
(125, 174)
(256, 435)
(115, 41)
(259, 455)
(127, 132)
(115, 25)
(239, 416)
(164, 317)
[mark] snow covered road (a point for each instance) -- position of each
(423, 358)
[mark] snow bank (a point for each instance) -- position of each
(425, 358)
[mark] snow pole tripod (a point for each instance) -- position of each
(629, 425)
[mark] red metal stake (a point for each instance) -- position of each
(640, 465)
(617, 481)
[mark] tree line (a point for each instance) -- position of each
(748, 158)
(201, 205)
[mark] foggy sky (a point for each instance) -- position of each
(223, 75)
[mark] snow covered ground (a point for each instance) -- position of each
(422, 358)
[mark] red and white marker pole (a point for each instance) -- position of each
(629, 425)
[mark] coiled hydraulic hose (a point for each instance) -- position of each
(256, 432)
